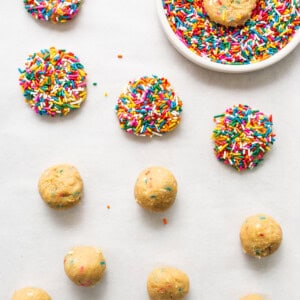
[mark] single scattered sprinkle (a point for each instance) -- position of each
(95, 83)
(149, 106)
(56, 11)
(242, 136)
(120, 56)
(272, 25)
(165, 221)
(53, 82)
(105, 94)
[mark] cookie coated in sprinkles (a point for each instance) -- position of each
(53, 82)
(56, 11)
(272, 25)
(149, 106)
(242, 136)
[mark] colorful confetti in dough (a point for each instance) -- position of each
(242, 137)
(229, 12)
(61, 186)
(30, 293)
(252, 297)
(149, 106)
(272, 25)
(85, 265)
(56, 11)
(155, 189)
(167, 284)
(53, 82)
(260, 235)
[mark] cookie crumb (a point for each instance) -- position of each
(120, 56)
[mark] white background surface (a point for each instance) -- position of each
(202, 237)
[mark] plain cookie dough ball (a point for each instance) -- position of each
(61, 186)
(167, 284)
(30, 293)
(85, 265)
(252, 297)
(229, 12)
(155, 189)
(260, 235)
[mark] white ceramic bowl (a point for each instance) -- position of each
(208, 64)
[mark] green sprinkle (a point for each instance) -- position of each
(168, 189)
(219, 116)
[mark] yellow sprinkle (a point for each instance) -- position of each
(223, 147)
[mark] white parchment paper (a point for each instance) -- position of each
(202, 236)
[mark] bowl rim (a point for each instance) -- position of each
(211, 65)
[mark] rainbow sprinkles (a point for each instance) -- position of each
(242, 136)
(272, 25)
(53, 82)
(56, 11)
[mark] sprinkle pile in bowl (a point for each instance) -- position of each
(272, 26)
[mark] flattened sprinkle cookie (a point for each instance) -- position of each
(229, 12)
(53, 82)
(242, 136)
(272, 25)
(56, 11)
(149, 106)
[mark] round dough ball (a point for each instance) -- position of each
(260, 235)
(30, 293)
(61, 186)
(167, 283)
(253, 297)
(229, 12)
(155, 189)
(85, 265)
